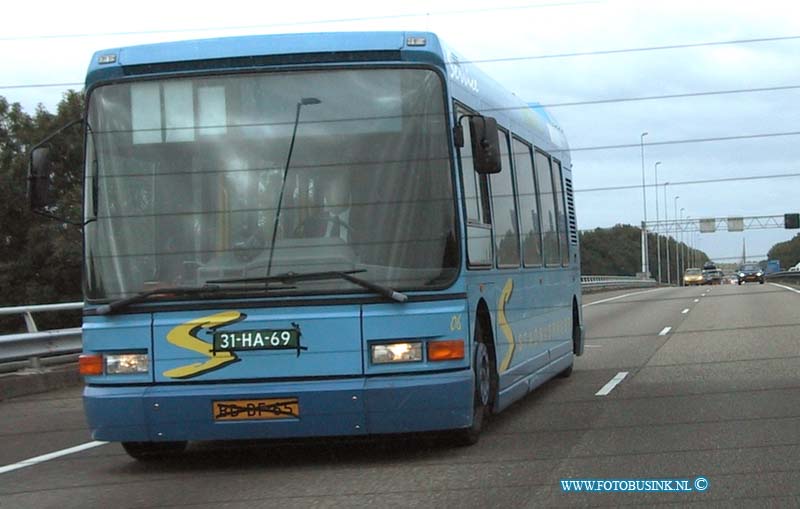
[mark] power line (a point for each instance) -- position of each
(690, 182)
(537, 105)
(637, 50)
(576, 191)
(40, 85)
(541, 57)
(666, 96)
(302, 23)
(624, 187)
(678, 142)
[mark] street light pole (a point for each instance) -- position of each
(683, 254)
(305, 101)
(658, 234)
(688, 246)
(645, 264)
(677, 251)
(666, 225)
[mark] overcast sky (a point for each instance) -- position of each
(52, 42)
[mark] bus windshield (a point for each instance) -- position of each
(194, 179)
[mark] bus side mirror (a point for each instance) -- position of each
(485, 144)
(39, 171)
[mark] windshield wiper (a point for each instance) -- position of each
(347, 275)
(183, 291)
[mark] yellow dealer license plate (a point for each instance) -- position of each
(256, 409)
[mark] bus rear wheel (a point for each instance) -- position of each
(576, 333)
(153, 451)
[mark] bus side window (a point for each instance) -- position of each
(548, 209)
(528, 206)
(506, 231)
(476, 203)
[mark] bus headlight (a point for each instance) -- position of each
(126, 363)
(405, 351)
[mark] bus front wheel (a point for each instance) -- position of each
(483, 397)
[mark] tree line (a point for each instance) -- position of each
(788, 253)
(40, 259)
(617, 251)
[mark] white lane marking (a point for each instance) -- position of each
(47, 457)
(612, 383)
(620, 297)
(685, 311)
(593, 346)
(697, 300)
(786, 287)
(665, 331)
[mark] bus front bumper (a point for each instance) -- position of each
(347, 406)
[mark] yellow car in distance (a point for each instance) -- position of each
(693, 276)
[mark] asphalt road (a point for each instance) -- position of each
(716, 395)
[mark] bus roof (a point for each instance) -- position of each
(236, 50)
(255, 51)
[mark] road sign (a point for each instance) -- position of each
(708, 225)
(735, 224)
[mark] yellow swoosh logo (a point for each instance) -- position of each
(185, 336)
(502, 322)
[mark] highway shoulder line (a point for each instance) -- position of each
(47, 457)
(786, 287)
(620, 297)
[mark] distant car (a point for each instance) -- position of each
(796, 268)
(712, 277)
(709, 266)
(693, 276)
(750, 273)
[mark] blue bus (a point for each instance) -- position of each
(316, 235)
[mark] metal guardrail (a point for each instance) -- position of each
(27, 349)
(33, 348)
(612, 282)
(786, 277)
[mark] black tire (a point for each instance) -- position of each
(153, 451)
(740, 283)
(484, 393)
(576, 331)
(761, 282)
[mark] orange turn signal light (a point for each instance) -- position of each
(90, 364)
(449, 350)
